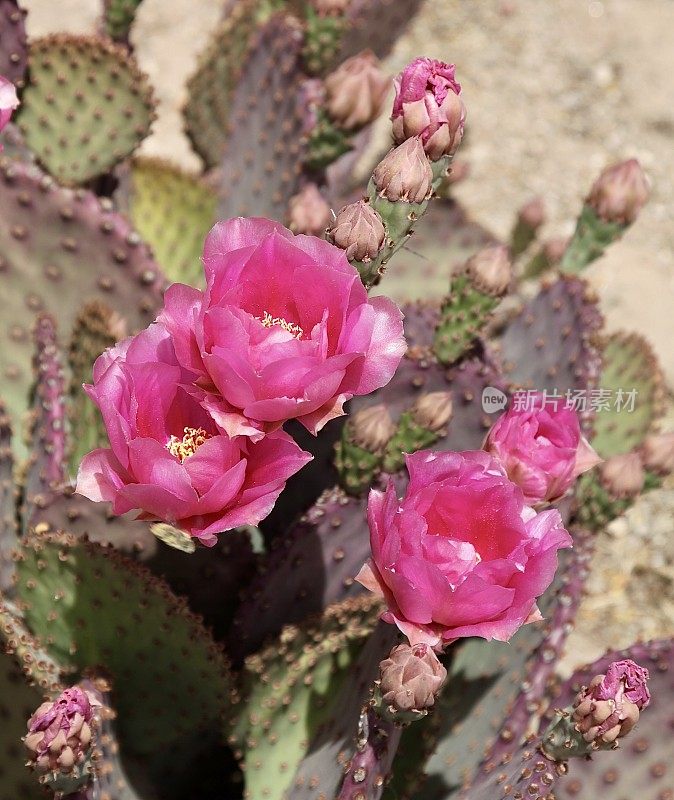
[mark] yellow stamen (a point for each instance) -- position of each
(269, 322)
(183, 448)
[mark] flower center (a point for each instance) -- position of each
(270, 322)
(183, 448)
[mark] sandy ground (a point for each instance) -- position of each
(555, 90)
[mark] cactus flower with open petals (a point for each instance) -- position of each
(461, 554)
(541, 448)
(428, 104)
(9, 102)
(168, 458)
(284, 330)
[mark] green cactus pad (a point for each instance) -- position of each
(642, 766)
(357, 467)
(408, 438)
(463, 315)
(8, 517)
(86, 106)
(118, 17)
(443, 239)
(59, 249)
(210, 88)
(13, 42)
(322, 40)
(291, 689)
(19, 697)
(262, 162)
(173, 211)
(629, 364)
(591, 237)
(94, 606)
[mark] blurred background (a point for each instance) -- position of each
(554, 92)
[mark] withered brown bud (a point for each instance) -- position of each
(490, 271)
(308, 211)
(622, 475)
(405, 173)
(411, 677)
(620, 192)
(359, 230)
(532, 213)
(657, 453)
(433, 410)
(372, 428)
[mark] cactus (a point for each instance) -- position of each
(13, 49)
(173, 211)
(104, 113)
(292, 669)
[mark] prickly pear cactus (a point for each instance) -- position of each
(85, 108)
(13, 41)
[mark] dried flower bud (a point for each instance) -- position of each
(433, 410)
(405, 173)
(490, 271)
(359, 230)
(609, 707)
(59, 732)
(372, 428)
(555, 248)
(308, 211)
(330, 8)
(620, 192)
(532, 213)
(622, 475)
(427, 104)
(356, 91)
(9, 102)
(411, 677)
(657, 453)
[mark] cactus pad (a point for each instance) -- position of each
(642, 766)
(72, 245)
(13, 43)
(173, 211)
(291, 688)
(86, 106)
(118, 17)
(210, 88)
(629, 364)
(262, 162)
(552, 342)
(8, 519)
(94, 606)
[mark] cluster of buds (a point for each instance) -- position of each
(620, 192)
(59, 737)
(609, 707)
(410, 679)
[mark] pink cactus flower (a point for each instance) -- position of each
(9, 102)
(427, 104)
(168, 458)
(461, 554)
(284, 329)
(541, 448)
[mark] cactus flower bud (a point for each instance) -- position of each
(359, 230)
(489, 270)
(433, 410)
(372, 428)
(405, 173)
(309, 212)
(532, 213)
(60, 732)
(609, 707)
(356, 91)
(657, 453)
(622, 475)
(620, 192)
(9, 102)
(330, 8)
(427, 104)
(411, 677)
